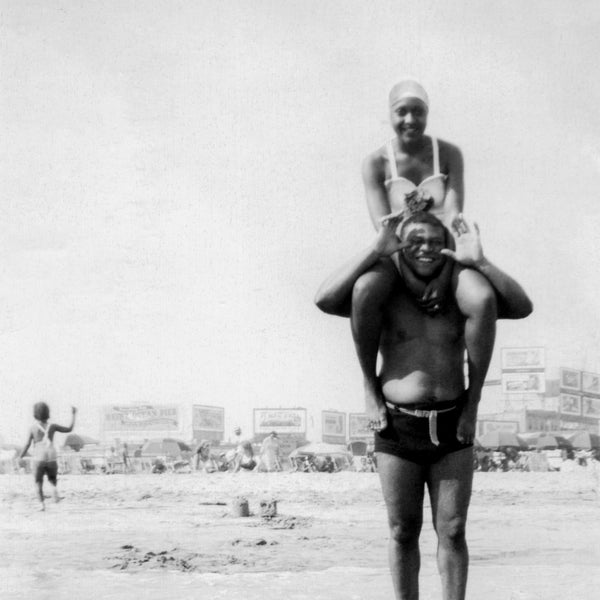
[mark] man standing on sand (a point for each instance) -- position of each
(429, 431)
(270, 451)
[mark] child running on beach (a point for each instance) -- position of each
(41, 435)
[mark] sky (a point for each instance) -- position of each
(179, 177)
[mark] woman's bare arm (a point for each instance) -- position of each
(513, 301)
(335, 293)
(373, 175)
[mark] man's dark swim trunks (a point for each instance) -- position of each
(413, 437)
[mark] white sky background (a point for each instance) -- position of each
(178, 178)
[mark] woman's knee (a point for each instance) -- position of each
(477, 297)
(373, 285)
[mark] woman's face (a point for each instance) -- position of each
(408, 118)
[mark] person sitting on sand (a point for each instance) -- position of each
(204, 460)
(244, 457)
(41, 435)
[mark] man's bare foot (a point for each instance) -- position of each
(375, 409)
(42, 507)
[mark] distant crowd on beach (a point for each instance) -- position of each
(170, 455)
(268, 456)
(559, 459)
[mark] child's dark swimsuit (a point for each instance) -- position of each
(421, 435)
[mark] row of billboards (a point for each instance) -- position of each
(209, 421)
(579, 405)
(579, 393)
(580, 381)
(524, 372)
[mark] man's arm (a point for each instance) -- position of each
(513, 302)
(334, 296)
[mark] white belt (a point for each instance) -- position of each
(425, 414)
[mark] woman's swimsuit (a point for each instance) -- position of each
(44, 456)
(433, 187)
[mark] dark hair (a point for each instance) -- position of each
(41, 411)
(422, 217)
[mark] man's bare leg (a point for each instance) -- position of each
(370, 293)
(450, 483)
(403, 485)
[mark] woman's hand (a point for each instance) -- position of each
(387, 241)
(469, 251)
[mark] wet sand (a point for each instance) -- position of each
(532, 536)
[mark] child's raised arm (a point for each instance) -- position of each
(62, 428)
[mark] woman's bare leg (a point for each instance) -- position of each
(369, 295)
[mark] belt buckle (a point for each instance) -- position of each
(424, 414)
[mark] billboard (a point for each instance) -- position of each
(523, 383)
(138, 417)
(333, 426)
(487, 426)
(527, 359)
(590, 383)
(358, 426)
(590, 407)
(208, 418)
(569, 404)
(281, 420)
(570, 379)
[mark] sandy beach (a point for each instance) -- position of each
(175, 536)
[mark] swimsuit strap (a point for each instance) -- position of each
(44, 431)
(436, 156)
(392, 159)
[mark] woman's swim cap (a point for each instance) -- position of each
(409, 88)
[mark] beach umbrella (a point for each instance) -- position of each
(9, 451)
(545, 440)
(77, 441)
(358, 448)
(321, 449)
(501, 439)
(161, 447)
(584, 440)
(182, 445)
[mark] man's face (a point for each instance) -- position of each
(408, 118)
(422, 255)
